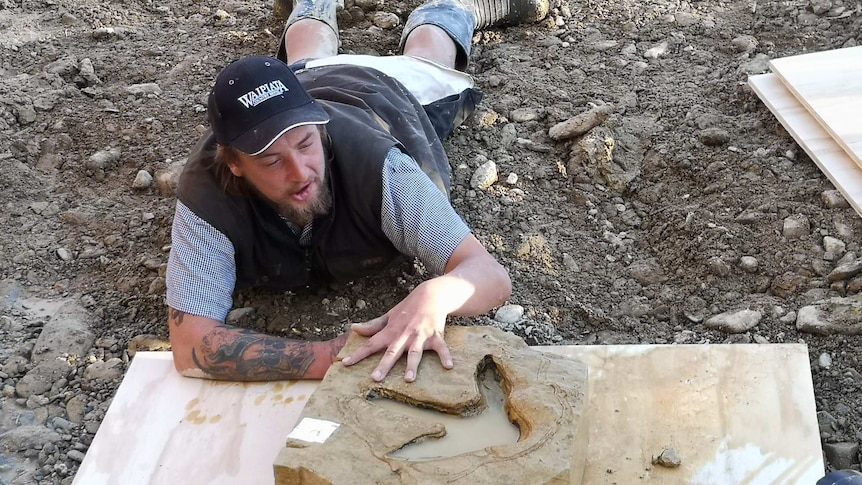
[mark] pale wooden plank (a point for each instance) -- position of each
(162, 428)
(829, 85)
(734, 414)
(832, 160)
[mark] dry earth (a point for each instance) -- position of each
(688, 201)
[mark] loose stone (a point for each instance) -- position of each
(718, 266)
(581, 123)
(834, 245)
(685, 19)
(484, 176)
(522, 115)
(151, 89)
(786, 284)
(796, 226)
(748, 264)
(843, 455)
(104, 371)
(64, 254)
(385, 20)
(75, 455)
(509, 314)
(240, 316)
(570, 264)
(833, 316)
(656, 51)
(845, 271)
(834, 199)
(734, 322)
(744, 43)
(667, 458)
(143, 180)
(713, 137)
(103, 158)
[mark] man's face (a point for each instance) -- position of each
(290, 174)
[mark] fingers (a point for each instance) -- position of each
(370, 327)
(376, 343)
(390, 357)
(415, 351)
(414, 356)
(398, 336)
(438, 344)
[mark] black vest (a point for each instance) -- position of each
(370, 113)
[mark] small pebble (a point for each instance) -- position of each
(509, 313)
(667, 458)
(656, 51)
(744, 43)
(143, 180)
(484, 176)
(748, 264)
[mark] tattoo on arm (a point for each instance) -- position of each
(245, 355)
(176, 316)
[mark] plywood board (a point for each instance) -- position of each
(733, 413)
(833, 161)
(162, 428)
(829, 85)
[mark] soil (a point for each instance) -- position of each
(688, 200)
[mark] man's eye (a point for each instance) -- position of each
(272, 163)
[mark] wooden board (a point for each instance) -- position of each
(829, 85)
(733, 413)
(832, 160)
(162, 428)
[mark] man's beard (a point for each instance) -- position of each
(302, 216)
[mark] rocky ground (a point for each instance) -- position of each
(672, 208)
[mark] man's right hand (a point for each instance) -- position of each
(209, 349)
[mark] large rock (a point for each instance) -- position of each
(832, 316)
(41, 378)
(735, 321)
(545, 395)
(67, 333)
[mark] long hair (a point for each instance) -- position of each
(227, 155)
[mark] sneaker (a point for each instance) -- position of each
(499, 13)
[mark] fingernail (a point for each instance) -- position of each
(346, 361)
(377, 375)
(408, 376)
(449, 364)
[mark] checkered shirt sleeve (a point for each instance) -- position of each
(417, 216)
(201, 268)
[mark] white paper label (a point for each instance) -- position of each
(313, 430)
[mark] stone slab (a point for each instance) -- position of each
(731, 412)
(545, 398)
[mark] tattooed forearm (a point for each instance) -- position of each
(244, 355)
(176, 316)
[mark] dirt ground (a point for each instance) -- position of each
(688, 201)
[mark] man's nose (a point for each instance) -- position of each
(296, 169)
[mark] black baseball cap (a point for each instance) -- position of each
(257, 99)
